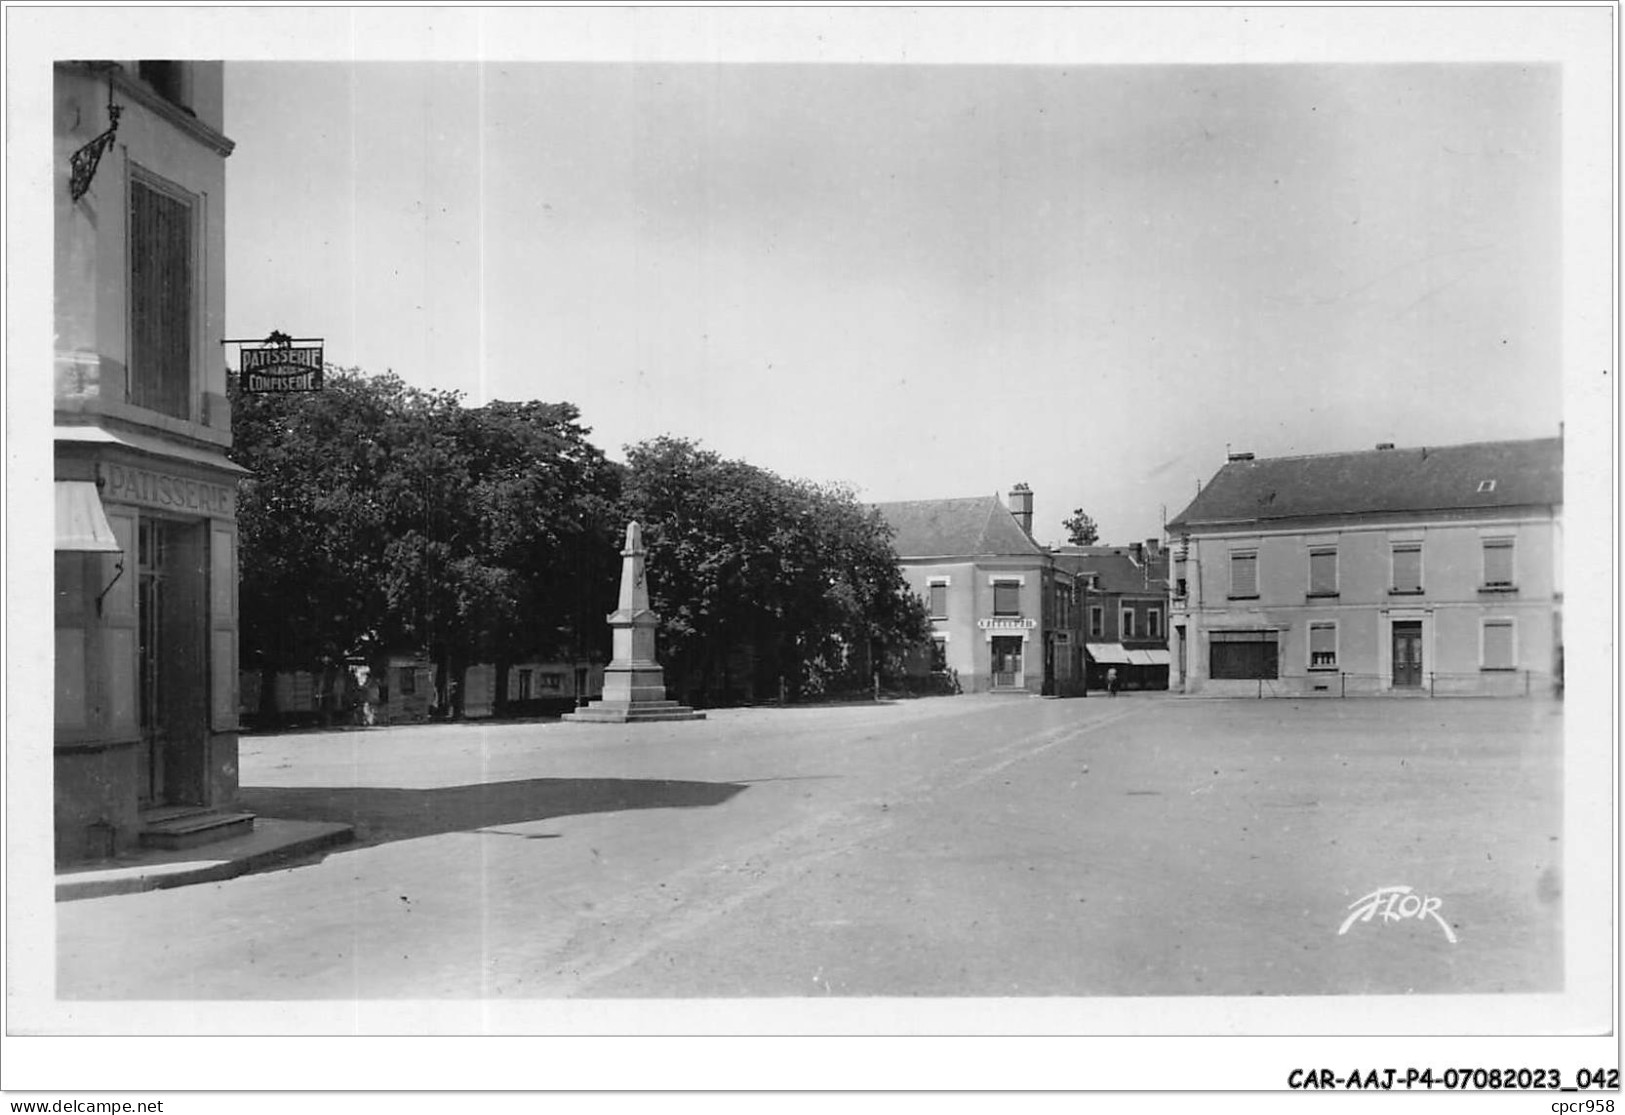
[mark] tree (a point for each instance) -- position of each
(1081, 529)
(757, 578)
(378, 517)
(311, 516)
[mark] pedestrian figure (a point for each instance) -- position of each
(1111, 682)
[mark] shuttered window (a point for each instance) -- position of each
(1243, 654)
(1407, 568)
(1006, 598)
(1126, 624)
(939, 601)
(1153, 624)
(160, 245)
(1322, 572)
(1244, 573)
(1498, 648)
(1097, 620)
(1498, 562)
(1322, 646)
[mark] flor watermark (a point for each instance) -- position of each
(1396, 904)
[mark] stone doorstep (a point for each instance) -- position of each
(272, 841)
(191, 828)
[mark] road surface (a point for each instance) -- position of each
(965, 846)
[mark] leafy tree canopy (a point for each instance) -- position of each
(1081, 529)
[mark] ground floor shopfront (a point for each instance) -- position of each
(1504, 647)
(998, 628)
(145, 637)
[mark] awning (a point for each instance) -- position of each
(1108, 654)
(1153, 657)
(142, 443)
(81, 525)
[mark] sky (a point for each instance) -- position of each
(925, 281)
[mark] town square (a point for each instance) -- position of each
(875, 523)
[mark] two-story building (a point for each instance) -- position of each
(146, 532)
(1125, 611)
(1004, 617)
(1429, 570)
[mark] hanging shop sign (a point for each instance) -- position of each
(280, 365)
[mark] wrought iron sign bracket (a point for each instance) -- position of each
(84, 161)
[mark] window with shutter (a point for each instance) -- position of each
(1097, 620)
(1498, 645)
(1408, 568)
(1239, 655)
(1153, 624)
(1322, 646)
(1126, 624)
(1498, 563)
(160, 300)
(939, 601)
(1006, 598)
(1244, 573)
(1323, 572)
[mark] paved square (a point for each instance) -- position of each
(968, 846)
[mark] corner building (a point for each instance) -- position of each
(1004, 617)
(146, 532)
(1423, 571)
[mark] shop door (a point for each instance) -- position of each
(171, 675)
(1407, 654)
(1006, 661)
(150, 614)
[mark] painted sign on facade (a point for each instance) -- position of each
(165, 492)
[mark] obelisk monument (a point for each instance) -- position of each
(634, 683)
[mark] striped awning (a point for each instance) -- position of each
(1108, 654)
(81, 525)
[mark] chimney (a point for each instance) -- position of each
(1151, 545)
(1137, 552)
(1021, 506)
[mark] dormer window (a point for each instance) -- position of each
(1486, 485)
(167, 79)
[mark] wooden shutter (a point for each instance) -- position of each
(1322, 571)
(939, 601)
(1498, 562)
(1244, 573)
(1407, 568)
(1498, 653)
(223, 626)
(160, 246)
(1322, 644)
(1006, 598)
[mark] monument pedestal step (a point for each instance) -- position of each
(606, 712)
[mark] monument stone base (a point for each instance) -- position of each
(627, 712)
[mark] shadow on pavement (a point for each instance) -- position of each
(382, 814)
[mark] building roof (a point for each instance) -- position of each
(978, 526)
(1116, 568)
(1479, 476)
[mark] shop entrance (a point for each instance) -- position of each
(1407, 654)
(1007, 661)
(172, 678)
